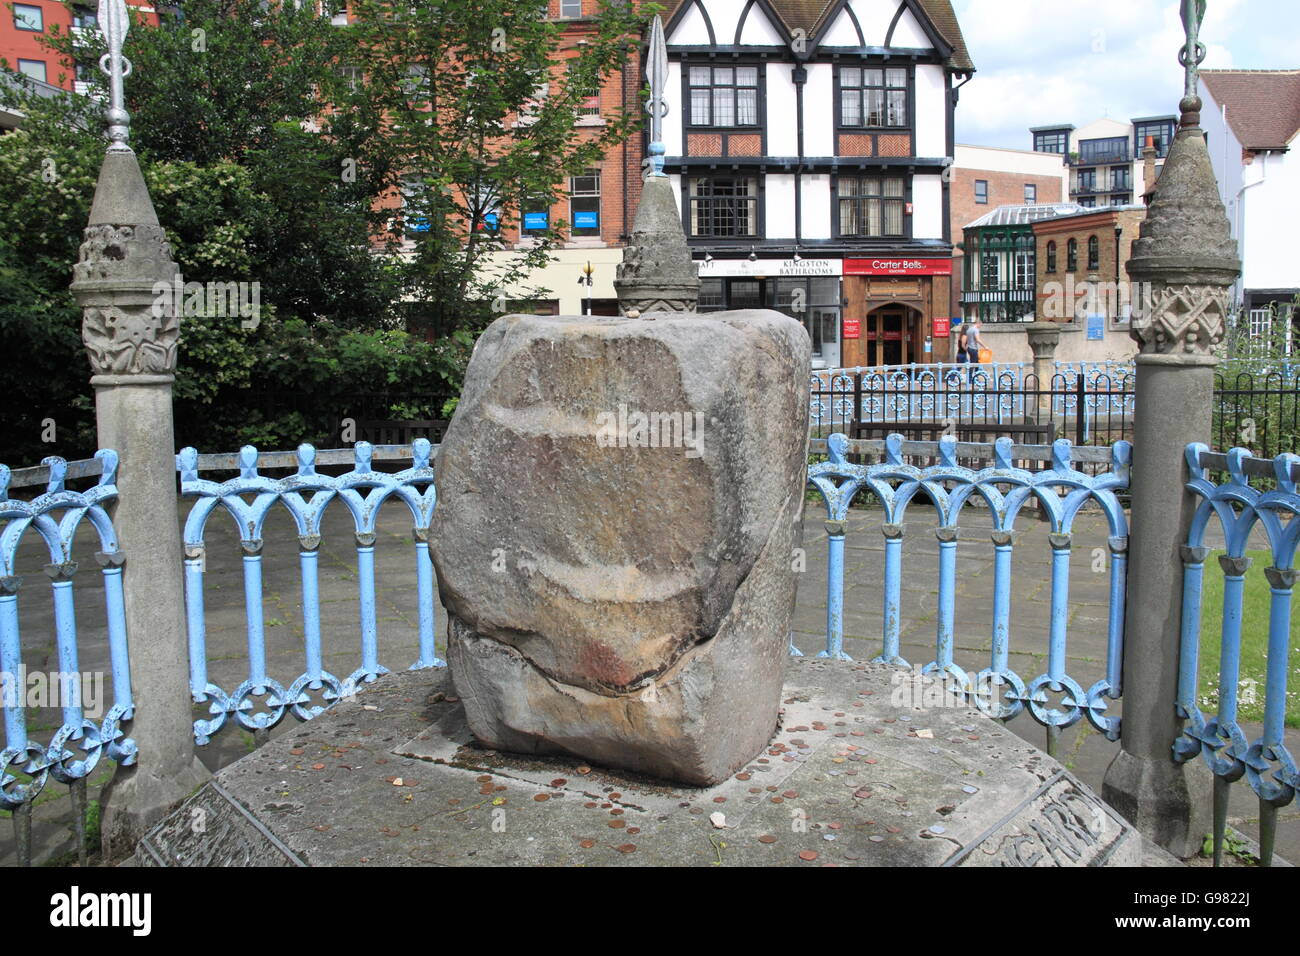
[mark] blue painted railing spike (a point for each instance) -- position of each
(948, 451)
(187, 463)
(58, 474)
(306, 460)
(6, 476)
(421, 451)
(108, 462)
(836, 447)
(1061, 456)
(1283, 469)
(1237, 465)
(894, 449)
(1193, 455)
(1002, 454)
(364, 451)
(248, 462)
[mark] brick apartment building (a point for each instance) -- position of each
(24, 24)
(986, 178)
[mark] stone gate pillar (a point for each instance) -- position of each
(124, 284)
(1183, 266)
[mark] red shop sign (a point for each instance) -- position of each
(853, 328)
(942, 328)
(897, 267)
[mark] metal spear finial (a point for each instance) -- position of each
(656, 73)
(1192, 55)
(113, 24)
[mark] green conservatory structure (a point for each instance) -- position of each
(999, 276)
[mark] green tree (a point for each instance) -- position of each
(478, 103)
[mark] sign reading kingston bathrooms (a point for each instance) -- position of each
(770, 268)
(898, 267)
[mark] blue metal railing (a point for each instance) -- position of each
(79, 744)
(947, 487)
(259, 702)
(1240, 509)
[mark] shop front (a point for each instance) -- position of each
(804, 289)
(895, 311)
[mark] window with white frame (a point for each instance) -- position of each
(723, 96)
(29, 18)
(873, 98)
(33, 68)
(584, 204)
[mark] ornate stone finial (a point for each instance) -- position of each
(656, 74)
(657, 273)
(114, 24)
(125, 280)
(1192, 55)
(1185, 254)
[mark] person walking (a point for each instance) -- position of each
(974, 342)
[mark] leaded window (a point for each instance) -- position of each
(871, 205)
(724, 206)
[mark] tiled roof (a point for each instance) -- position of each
(1263, 105)
(810, 15)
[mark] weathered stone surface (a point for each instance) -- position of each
(852, 777)
(657, 272)
(629, 604)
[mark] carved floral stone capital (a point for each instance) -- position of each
(130, 341)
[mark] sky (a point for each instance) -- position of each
(1042, 62)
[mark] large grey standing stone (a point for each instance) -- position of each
(629, 604)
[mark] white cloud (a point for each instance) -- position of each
(1072, 61)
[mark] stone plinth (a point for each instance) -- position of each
(618, 506)
(374, 783)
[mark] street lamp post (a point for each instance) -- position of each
(587, 280)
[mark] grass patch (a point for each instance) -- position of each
(1254, 642)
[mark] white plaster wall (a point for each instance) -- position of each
(927, 207)
(1020, 161)
(875, 17)
(693, 30)
(841, 32)
(816, 207)
(782, 110)
(759, 31)
(931, 114)
(673, 145)
(909, 33)
(819, 111)
(1269, 214)
(779, 199)
(725, 14)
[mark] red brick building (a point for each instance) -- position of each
(25, 23)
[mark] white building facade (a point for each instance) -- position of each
(808, 144)
(1251, 120)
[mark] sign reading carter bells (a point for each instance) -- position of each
(897, 267)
